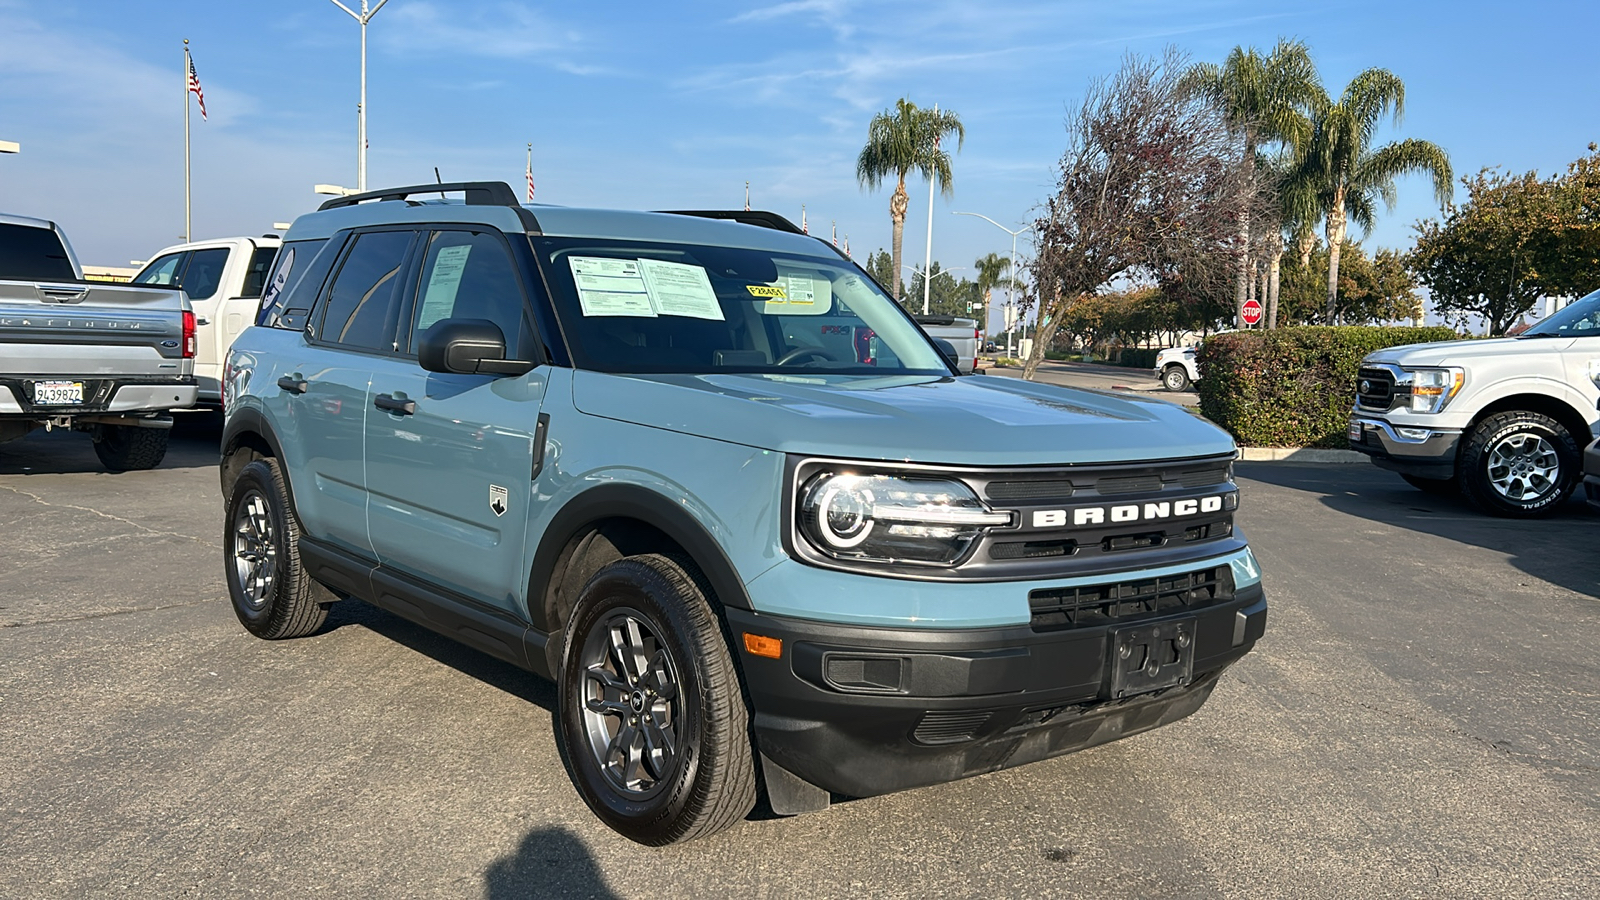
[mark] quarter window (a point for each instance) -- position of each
(360, 309)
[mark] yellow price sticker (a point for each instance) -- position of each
(772, 292)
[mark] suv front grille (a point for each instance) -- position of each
(1087, 606)
(1375, 389)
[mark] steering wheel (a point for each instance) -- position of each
(803, 352)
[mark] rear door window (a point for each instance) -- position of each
(360, 309)
(33, 254)
(255, 277)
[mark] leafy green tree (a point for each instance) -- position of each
(1350, 174)
(900, 141)
(947, 295)
(881, 267)
(1261, 99)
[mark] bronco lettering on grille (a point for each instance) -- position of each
(1082, 516)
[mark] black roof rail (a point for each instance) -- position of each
(479, 193)
(756, 217)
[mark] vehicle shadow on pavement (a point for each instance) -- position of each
(472, 663)
(1560, 549)
(550, 862)
(196, 441)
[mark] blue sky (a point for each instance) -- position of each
(676, 105)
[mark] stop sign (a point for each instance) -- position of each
(1252, 312)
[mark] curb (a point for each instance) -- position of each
(1300, 455)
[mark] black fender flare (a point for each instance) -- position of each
(249, 420)
(630, 501)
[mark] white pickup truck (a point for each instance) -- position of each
(1503, 421)
(962, 335)
(223, 279)
(112, 360)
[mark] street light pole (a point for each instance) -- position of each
(1011, 264)
(363, 17)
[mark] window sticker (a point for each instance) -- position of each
(770, 291)
(677, 289)
(439, 301)
(797, 292)
(610, 287)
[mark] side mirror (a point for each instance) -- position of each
(949, 351)
(467, 347)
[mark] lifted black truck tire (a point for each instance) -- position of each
(129, 448)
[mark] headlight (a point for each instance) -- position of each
(1431, 389)
(890, 518)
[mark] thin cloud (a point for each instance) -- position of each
(834, 14)
(503, 30)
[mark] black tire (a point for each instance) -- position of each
(1174, 378)
(129, 448)
(667, 759)
(272, 595)
(1519, 465)
(1439, 487)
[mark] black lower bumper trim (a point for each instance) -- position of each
(863, 711)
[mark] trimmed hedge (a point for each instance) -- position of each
(1292, 387)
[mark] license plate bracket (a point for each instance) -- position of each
(1151, 657)
(58, 393)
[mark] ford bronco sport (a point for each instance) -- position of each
(703, 472)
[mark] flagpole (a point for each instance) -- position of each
(186, 140)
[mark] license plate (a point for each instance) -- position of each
(1354, 432)
(58, 393)
(1148, 658)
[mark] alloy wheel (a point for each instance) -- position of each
(255, 552)
(1523, 467)
(631, 704)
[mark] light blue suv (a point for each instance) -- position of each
(703, 472)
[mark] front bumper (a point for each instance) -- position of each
(861, 710)
(1410, 450)
(1591, 474)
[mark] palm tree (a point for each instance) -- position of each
(899, 142)
(1260, 99)
(1294, 212)
(991, 274)
(1350, 175)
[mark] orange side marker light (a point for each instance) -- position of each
(758, 645)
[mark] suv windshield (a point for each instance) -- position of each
(639, 307)
(1581, 318)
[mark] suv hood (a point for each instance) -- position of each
(985, 420)
(1446, 352)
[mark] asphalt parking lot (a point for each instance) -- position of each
(1421, 720)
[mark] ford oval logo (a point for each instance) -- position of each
(1366, 386)
(173, 344)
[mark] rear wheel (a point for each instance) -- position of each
(1174, 378)
(1519, 464)
(654, 728)
(129, 448)
(272, 595)
(1443, 487)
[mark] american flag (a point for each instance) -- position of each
(530, 181)
(836, 234)
(804, 229)
(194, 84)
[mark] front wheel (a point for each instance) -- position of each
(1174, 378)
(654, 728)
(1519, 464)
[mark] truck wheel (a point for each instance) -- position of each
(1441, 487)
(654, 728)
(129, 448)
(1519, 464)
(272, 595)
(1174, 378)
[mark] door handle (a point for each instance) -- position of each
(294, 384)
(393, 404)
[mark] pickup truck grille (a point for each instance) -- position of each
(1375, 389)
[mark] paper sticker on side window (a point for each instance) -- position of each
(440, 299)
